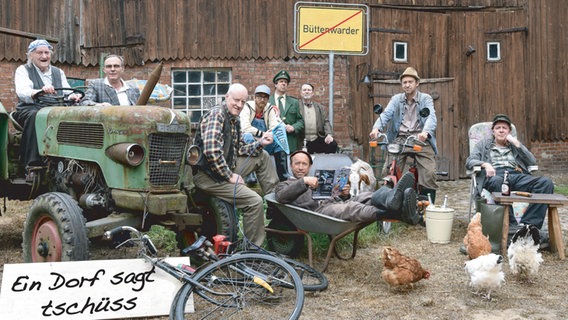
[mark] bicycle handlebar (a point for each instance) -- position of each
(143, 239)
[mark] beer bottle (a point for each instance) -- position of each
(505, 189)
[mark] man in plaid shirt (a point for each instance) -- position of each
(227, 159)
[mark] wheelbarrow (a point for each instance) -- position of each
(305, 221)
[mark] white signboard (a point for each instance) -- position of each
(97, 289)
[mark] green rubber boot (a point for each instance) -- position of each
(492, 222)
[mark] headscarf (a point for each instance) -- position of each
(38, 43)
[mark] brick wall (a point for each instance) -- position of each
(250, 73)
(552, 157)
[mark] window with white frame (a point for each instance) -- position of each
(400, 51)
(493, 51)
(198, 90)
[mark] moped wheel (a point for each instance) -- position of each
(230, 289)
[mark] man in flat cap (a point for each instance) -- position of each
(503, 152)
(412, 113)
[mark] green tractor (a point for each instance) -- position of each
(105, 167)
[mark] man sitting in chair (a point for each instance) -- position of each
(386, 203)
(501, 153)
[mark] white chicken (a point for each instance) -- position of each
(485, 274)
(362, 178)
(524, 258)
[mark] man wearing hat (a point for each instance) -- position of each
(259, 116)
(412, 113)
(386, 203)
(36, 75)
(501, 153)
(289, 109)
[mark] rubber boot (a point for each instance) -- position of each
(281, 161)
(391, 199)
(409, 212)
(426, 191)
(492, 223)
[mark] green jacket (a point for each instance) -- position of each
(291, 115)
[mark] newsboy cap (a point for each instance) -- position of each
(262, 89)
(501, 118)
(282, 74)
(410, 71)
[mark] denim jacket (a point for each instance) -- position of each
(395, 112)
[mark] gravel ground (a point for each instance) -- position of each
(357, 291)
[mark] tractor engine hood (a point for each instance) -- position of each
(100, 134)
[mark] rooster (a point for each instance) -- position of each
(476, 244)
(485, 274)
(401, 271)
(524, 258)
(362, 177)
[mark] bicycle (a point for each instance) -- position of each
(245, 285)
(312, 279)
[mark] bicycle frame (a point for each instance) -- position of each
(145, 244)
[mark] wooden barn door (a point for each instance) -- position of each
(443, 92)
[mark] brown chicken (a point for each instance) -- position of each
(400, 271)
(476, 244)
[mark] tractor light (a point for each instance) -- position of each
(130, 154)
(193, 155)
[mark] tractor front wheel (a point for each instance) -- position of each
(55, 230)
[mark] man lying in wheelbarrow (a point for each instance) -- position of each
(398, 203)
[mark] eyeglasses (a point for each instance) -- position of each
(261, 97)
(110, 66)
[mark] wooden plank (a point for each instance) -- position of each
(29, 35)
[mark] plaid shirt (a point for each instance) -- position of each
(211, 127)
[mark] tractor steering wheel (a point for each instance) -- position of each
(58, 99)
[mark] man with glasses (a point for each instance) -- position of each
(227, 159)
(37, 75)
(111, 90)
(259, 116)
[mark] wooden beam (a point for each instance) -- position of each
(29, 35)
(383, 30)
(510, 30)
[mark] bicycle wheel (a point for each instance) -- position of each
(312, 279)
(232, 290)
